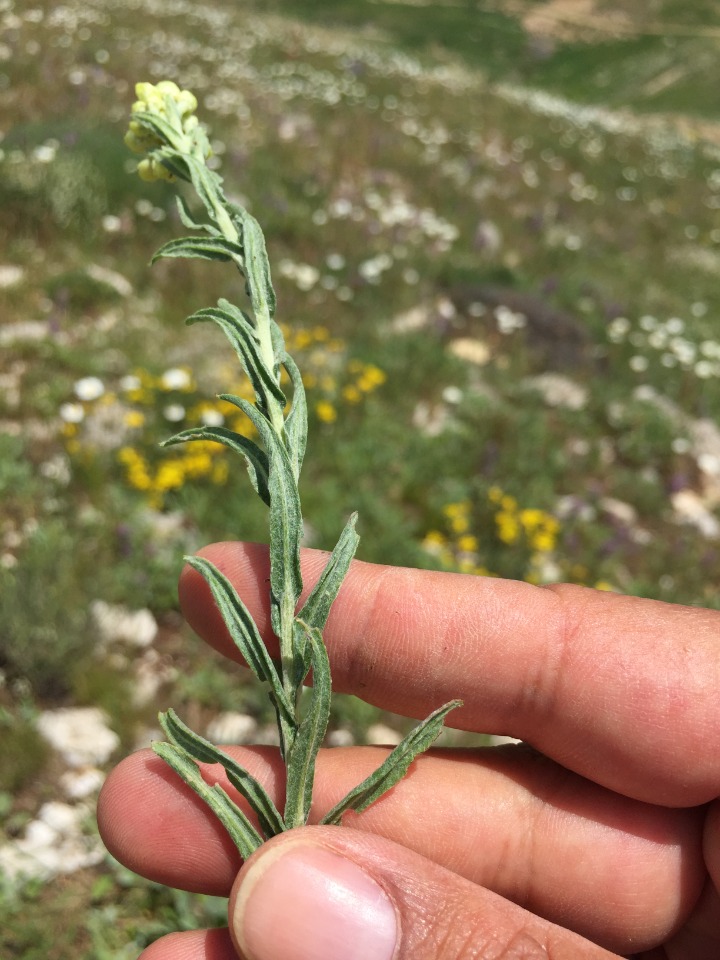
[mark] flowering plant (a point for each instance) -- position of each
(175, 146)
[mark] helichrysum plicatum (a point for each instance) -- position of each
(165, 129)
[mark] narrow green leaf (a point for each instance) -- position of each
(285, 512)
(257, 268)
(316, 608)
(178, 733)
(395, 766)
(207, 185)
(241, 334)
(256, 459)
(303, 752)
(187, 220)
(242, 629)
(242, 832)
(199, 248)
(296, 424)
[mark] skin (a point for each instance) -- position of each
(598, 837)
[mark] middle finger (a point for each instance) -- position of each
(616, 870)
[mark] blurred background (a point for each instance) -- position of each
(495, 235)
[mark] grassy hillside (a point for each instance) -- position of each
(496, 257)
(652, 56)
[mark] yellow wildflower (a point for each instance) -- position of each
(604, 585)
(508, 528)
(134, 419)
(467, 543)
(352, 394)
(434, 541)
(220, 472)
(326, 412)
(543, 541)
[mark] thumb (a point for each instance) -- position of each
(324, 893)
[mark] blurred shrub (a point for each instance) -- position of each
(23, 754)
(43, 609)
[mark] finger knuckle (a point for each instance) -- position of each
(474, 939)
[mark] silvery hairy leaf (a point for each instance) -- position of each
(257, 268)
(242, 832)
(395, 766)
(285, 512)
(199, 248)
(271, 823)
(242, 336)
(303, 752)
(316, 608)
(186, 218)
(256, 459)
(296, 420)
(242, 630)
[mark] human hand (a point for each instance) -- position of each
(604, 836)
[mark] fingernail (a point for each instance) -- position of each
(305, 903)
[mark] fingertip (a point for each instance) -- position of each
(332, 906)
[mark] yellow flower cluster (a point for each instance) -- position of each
(151, 406)
(167, 101)
(198, 460)
(323, 372)
(536, 528)
(459, 549)
(531, 532)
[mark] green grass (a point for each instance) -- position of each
(340, 130)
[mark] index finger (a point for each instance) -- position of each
(621, 690)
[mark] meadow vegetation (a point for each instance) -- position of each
(496, 269)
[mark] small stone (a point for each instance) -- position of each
(340, 738)
(81, 735)
(78, 784)
(559, 391)
(378, 734)
(624, 512)
(151, 673)
(471, 350)
(60, 817)
(232, 727)
(10, 275)
(118, 624)
(689, 508)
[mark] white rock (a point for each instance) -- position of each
(80, 734)
(60, 817)
(414, 319)
(232, 727)
(340, 738)
(10, 275)
(379, 734)
(471, 350)
(689, 508)
(111, 278)
(559, 391)
(53, 844)
(624, 512)
(78, 784)
(268, 736)
(38, 835)
(151, 672)
(118, 624)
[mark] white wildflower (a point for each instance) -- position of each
(89, 388)
(72, 412)
(175, 379)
